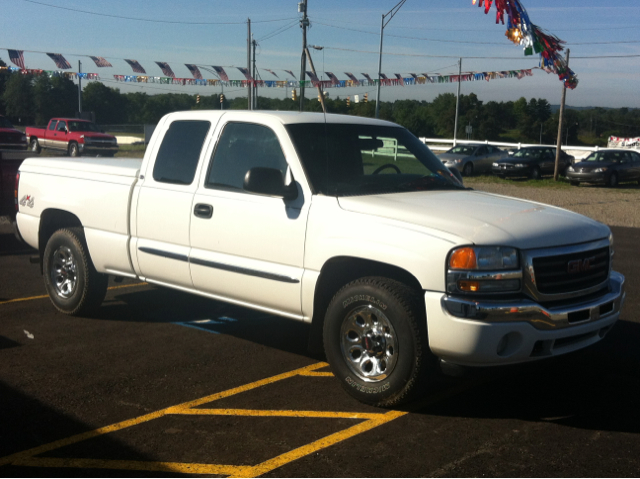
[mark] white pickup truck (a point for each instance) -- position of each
(347, 223)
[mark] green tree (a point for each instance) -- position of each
(107, 103)
(54, 97)
(18, 99)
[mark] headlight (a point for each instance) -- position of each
(458, 161)
(570, 168)
(520, 165)
(496, 165)
(483, 269)
(600, 170)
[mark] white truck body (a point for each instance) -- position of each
(269, 253)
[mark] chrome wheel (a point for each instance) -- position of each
(64, 272)
(369, 344)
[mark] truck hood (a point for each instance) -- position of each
(482, 218)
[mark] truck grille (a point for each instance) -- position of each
(571, 272)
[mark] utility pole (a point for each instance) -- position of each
(79, 87)
(304, 23)
(320, 92)
(254, 76)
(455, 127)
(391, 13)
(560, 120)
(249, 90)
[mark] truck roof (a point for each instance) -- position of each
(286, 117)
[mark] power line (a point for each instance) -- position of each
(456, 29)
(75, 10)
(462, 41)
(278, 31)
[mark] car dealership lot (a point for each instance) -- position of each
(163, 382)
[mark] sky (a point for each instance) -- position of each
(424, 37)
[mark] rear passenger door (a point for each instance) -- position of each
(163, 198)
(245, 247)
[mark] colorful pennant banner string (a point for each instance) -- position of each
(521, 31)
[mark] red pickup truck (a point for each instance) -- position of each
(76, 137)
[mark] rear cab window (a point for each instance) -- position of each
(179, 153)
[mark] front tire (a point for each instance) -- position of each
(375, 341)
(613, 180)
(34, 145)
(574, 183)
(467, 170)
(74, 286)
(74, 150)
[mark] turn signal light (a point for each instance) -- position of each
(463, 258)
(472, 286)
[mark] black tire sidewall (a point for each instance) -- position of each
(410, 348)
(467, 169)
(68, 239)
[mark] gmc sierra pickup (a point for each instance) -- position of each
(347, 223)
(76, 137)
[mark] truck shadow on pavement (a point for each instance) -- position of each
(163, 305)
(594, 389)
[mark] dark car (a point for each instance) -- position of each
(10, 138)
(473, 158)
(531, 162)
(606, 166)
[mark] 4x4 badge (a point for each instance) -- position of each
(27, 200)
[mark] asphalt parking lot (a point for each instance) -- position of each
(161, 383)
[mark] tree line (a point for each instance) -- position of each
(33, 100)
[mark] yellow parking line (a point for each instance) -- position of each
(21, 456)
(285, 413)
(31, 298)
(315, 446)
(314, 374)
(171, 467)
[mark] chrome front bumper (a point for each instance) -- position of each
(540, 317)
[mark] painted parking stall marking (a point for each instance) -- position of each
(366, 422)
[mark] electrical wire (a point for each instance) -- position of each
(461, 41)
(153, 21)
(277, 31)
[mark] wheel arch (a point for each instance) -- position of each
(340, 270)
(51, 220)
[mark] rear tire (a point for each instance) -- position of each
(376, 342)
(74, 150)
(74, 286)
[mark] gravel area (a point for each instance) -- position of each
(619, 207)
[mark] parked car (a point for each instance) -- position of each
(10, 138)
(606, 166)
(470, 159)
(76, 137)
(532, 162)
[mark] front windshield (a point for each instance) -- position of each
(4, 123)
(604, 156)
(528, 153)
(83, 126)
(353, 159)
(463, 150)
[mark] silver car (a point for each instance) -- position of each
(470, 159)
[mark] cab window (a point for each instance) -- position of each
(243, 146)
(179, 152)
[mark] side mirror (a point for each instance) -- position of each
(269, 182)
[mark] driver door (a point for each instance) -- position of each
(246, 247)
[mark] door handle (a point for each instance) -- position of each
(203, 211)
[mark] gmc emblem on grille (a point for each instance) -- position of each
(580, 265)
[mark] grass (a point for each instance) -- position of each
(546, 182)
